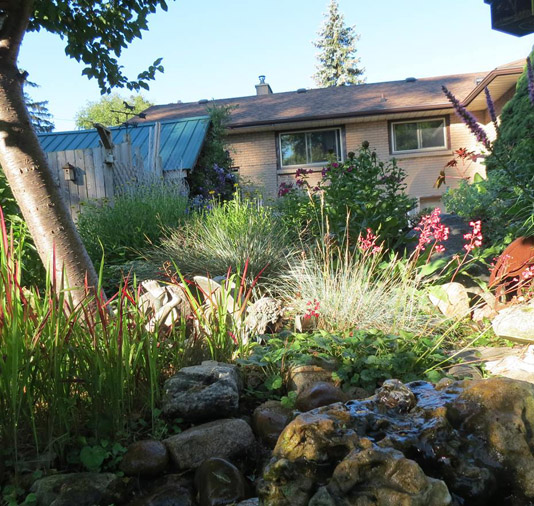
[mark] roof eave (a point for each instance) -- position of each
(487, 80)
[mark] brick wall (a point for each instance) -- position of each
(256, 156)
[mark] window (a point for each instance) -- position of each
(309, 148)
(418, 135)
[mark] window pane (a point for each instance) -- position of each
(432, 133)
(293, 147)
(323, 144)
(405, 136)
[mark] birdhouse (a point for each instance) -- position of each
(515, 17)
(69, 171)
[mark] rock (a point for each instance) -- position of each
(451, 299)
(463, 371)
(254, 501)
(168, 495)
(302, 376)
(319, 394)
(515, 323)
(145, 458)
(483, 312)
(202, 392)
(219, 482)
(305, 323)
(81, 489)
(226, 439)
(381, 476)
(515, 364)
(410, 444)
(264, 316)
(269, 420)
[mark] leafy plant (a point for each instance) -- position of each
(102, 455)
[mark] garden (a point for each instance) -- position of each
(325, 316)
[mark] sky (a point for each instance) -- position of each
(217, 49)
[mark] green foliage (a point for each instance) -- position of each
(103, 455)
(227, 236)
(110, 110)
(132, 223)
(211, 177)
(365, 358)
(338, 64)
(97, 34)
(360, 193)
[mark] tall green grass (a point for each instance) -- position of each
(67, 371)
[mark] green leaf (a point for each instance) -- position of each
(92, 457)
(439, 293)
(477, 178)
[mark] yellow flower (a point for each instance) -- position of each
(211, 192)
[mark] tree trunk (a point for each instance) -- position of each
(27, 171)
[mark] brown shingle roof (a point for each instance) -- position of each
(335, 102)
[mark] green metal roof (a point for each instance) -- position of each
(180, 140)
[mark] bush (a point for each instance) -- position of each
(133, 222)
(226, 236)
(360, 193)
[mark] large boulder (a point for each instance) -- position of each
(202, 392)
(412, 444)
(145, 458)
(515, 323)
(227, 439)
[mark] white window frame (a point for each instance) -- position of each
(419, 136)
(313, 130)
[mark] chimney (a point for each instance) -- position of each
(263, 88)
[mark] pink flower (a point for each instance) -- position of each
(313, 309)
(369, 242)
(432, 230)
(475, 237)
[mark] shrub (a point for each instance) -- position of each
(132, 222)
(362, 192)
(227, 235)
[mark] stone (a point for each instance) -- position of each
(145, 458)
(202, 392)
(302, 376)
(516, 364)
(264, 316)
(515, 323)
(269, 420)
(219, 482)
(81, 489)
(452, 300)
(381, 476)
(227, 439)
(254, 501)
(413, 444)
(319, 394)
(167, 495)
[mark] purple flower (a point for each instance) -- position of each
(470, 121)
(324, 172)
(530, 75)
(491, 107)
(335, 165)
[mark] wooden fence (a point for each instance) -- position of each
(98, 173)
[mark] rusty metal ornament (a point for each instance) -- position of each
(508, 275)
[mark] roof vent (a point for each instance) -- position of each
(203, 101)
(263, 88)
(411, 79)
(302, 90)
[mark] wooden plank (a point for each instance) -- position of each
(73, 185)
(108, 179)
(98, 160)
(90, 174)
(81, 174)
(61, 160)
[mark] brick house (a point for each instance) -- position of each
(271, 135)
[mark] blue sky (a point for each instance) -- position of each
(217, 49)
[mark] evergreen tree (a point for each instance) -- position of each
(338, 64)
(40, 116)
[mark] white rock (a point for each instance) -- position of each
(515, 323)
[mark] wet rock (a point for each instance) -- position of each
(227, 439)
(381, 476)
(202, 392)
(269, 420)
(516, 323)
(477, 437)
(219, 482)
(319, 394)
(81, 489)
(145, 458)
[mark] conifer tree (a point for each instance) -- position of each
(40, 116)
(338, 64)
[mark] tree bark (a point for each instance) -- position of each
(26, 167)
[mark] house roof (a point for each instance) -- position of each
(338, 102)
(179, 147)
